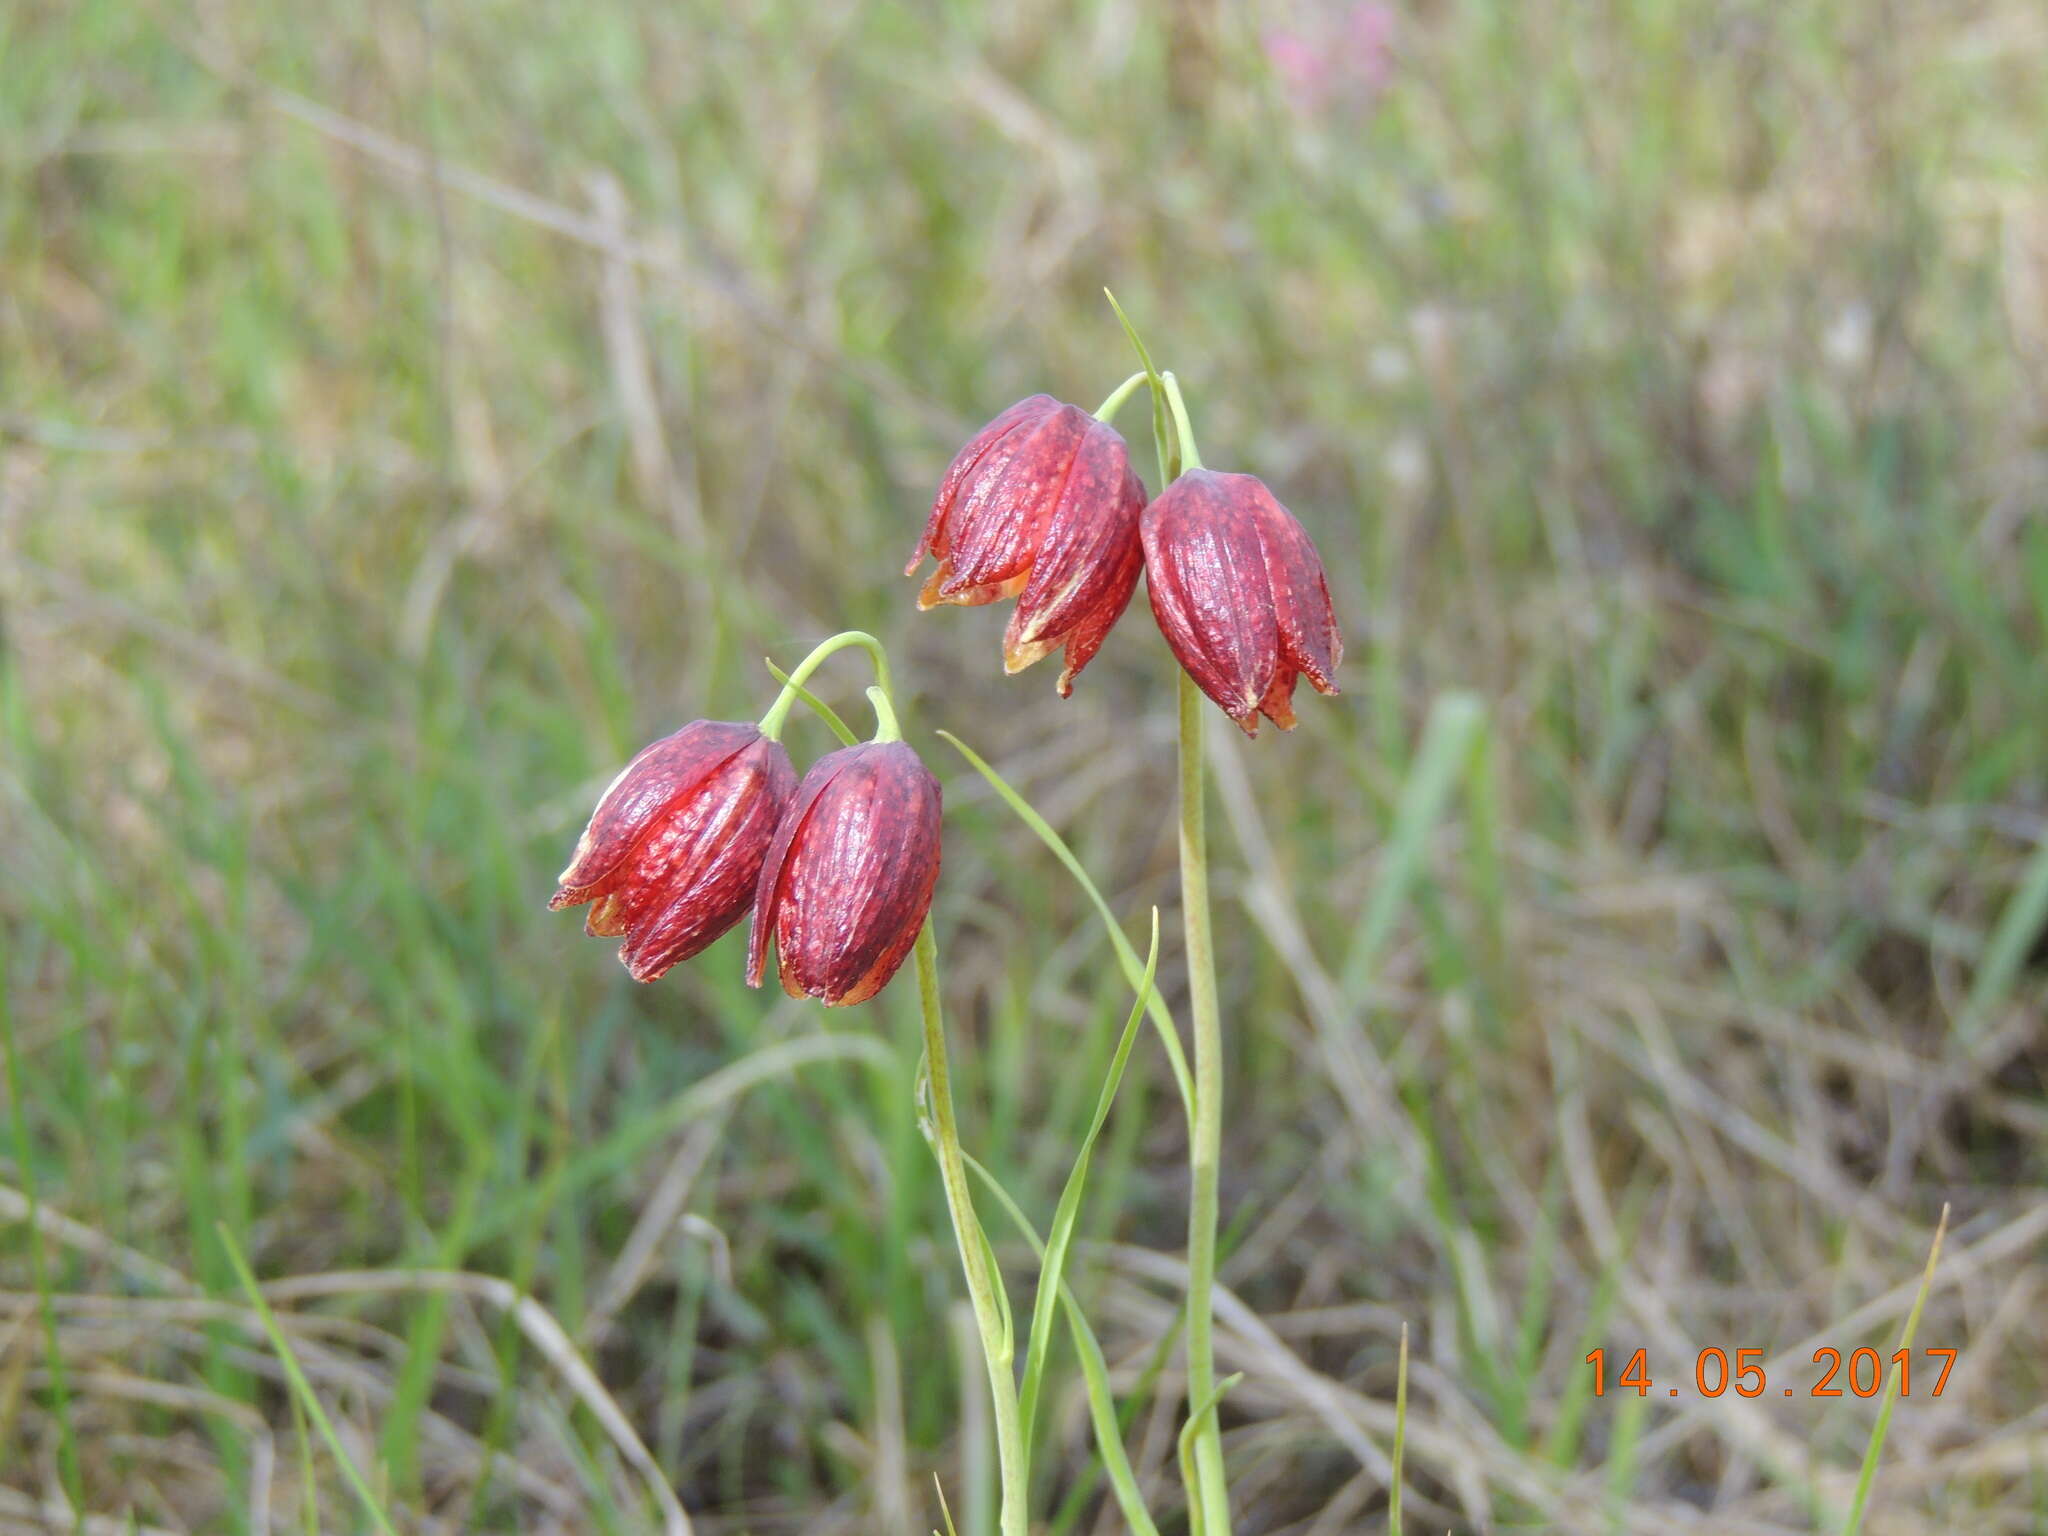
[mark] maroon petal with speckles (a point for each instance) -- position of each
(643, 790)
(1240, 594)
(1042, 502)
(848, 882)
(936, 539)
(1087, 562)
(673, 850)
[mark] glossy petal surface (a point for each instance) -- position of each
(645, 788)
(1087, 561)
(935, 540)
(674, 850)
(849, 880)
(1041, 505)
(1240, 595)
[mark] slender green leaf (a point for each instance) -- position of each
(1400, 1437)
(1197, 1416)
(1094, 1373)
(1068, 1210)
(1161, 438)
(1127, 956)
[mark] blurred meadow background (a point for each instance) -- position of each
(409, 409)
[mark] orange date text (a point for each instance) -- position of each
(1715, 1371)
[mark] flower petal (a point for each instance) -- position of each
(1087, 563)
(632, 805)
(1206, 571)
(857, 880)
(1278, 704)
(768, 886)
(1301, 593)
(710, 862)
(935, 539)
(1000, 515)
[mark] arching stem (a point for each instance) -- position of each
(1108, 409)
(778, 712)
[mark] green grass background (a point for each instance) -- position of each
(408, 410)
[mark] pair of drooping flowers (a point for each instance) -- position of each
(1042, 505)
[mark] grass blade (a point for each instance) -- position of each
(1400, 1436)
(1455, 722)
(302, 1389)
(2018, 929)
(1891, 1388)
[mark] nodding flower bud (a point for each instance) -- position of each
(846, 886)
(1042, 506)
(675, 845)
(1239, 593)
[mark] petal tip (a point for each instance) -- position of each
(640, 972)
(1026, 653)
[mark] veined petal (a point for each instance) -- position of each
(1088, 560)
(936, 539)
(768, 886)
(1278, 704)
(854, 879)
(709, 865)
(635, 801)
(1206, 572)
(1301, 593)
(1000, 514)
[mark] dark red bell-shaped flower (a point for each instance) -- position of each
(675, 845)
(847, 884)
(1042, 506)
(1239, 593)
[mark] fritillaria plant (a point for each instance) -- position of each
(837, 870)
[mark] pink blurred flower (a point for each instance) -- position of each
(1339, 55)
(1302, 65)
(1368, 48)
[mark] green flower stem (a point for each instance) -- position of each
(1108, 409)
(778, 712)
(819, 707)
(998, 1344)
(886, 728)
(1205, 1146)
(1209, 1498)
(1189, 459)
